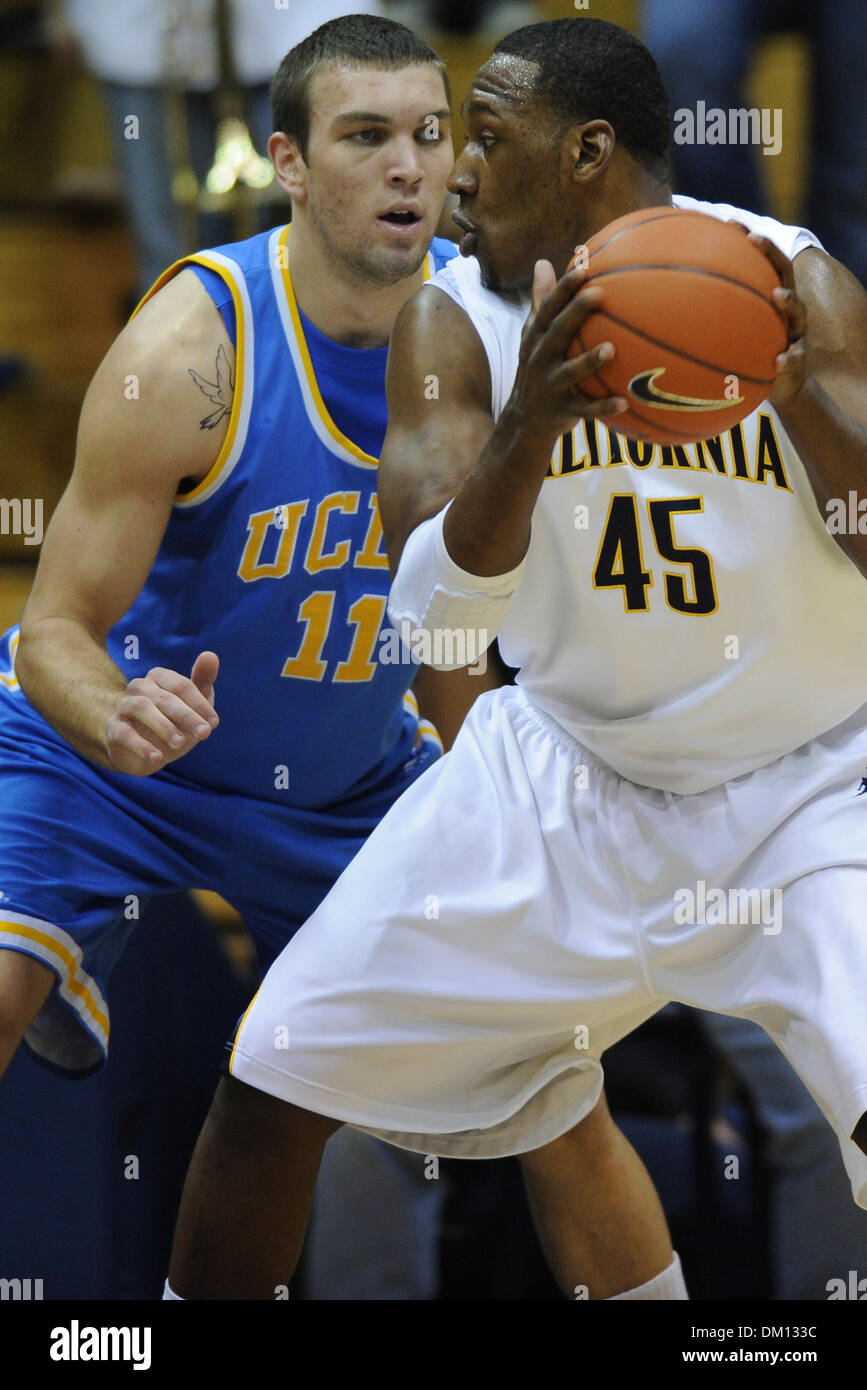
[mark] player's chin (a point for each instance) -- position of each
(397, 262)
(501, 277)
(489, 272)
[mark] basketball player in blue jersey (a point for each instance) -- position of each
(231, 504)
(227, 514)
(632, 759)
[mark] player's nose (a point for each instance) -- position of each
(462, 180)
(406, 165)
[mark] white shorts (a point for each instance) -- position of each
(522, 907)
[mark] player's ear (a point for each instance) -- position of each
(588, 149)
(289, 165)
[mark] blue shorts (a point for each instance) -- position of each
(82, 849)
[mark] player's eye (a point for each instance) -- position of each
(366, 137)
(486, 140)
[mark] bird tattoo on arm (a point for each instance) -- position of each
(219, 392)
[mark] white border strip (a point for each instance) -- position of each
(319, 427)
(56, 962)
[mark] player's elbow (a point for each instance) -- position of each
(27, 656)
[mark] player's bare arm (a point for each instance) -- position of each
(132, 457)
(446, 697)
(447, 448)
(821, 391)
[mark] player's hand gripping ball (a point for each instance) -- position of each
(688, 306)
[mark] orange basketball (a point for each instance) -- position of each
(688, 308)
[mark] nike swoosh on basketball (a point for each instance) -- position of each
(643, 387)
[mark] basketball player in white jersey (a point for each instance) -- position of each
(654, 811)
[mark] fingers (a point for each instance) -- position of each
(161, 716)
(564, 328)
(549, 298)
(793, 310)
(568, 378)
(180, 697)
(204, 674)
(785, 297)
(128, 751)
(548, 384)
(782, 265)
(159, 713)
(544, 280)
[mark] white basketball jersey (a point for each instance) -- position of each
(684, 612)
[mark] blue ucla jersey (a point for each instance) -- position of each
(275, 560)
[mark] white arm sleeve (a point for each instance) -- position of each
(447, 616)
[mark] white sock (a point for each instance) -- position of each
(168, 1293)
(667, 1285)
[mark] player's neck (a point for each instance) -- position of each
(629, 194)
(344, 309)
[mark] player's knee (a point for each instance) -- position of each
(246, 1114)
(25, 984)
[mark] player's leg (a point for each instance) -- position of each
(81, 851)
(811, 979)
(431, 1000)
(599, 1219)
(247, 1197)
(25, 984)
(374, 1226)
(597, 1214)
(771, 928)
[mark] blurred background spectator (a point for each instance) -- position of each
(172, 74)
(706, 51)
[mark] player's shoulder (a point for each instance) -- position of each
(459, 283)
(174, 350)
(253, 255)
(177, 313)
(788, 237)
(220, 272)
(427, 319)
(434, 332)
